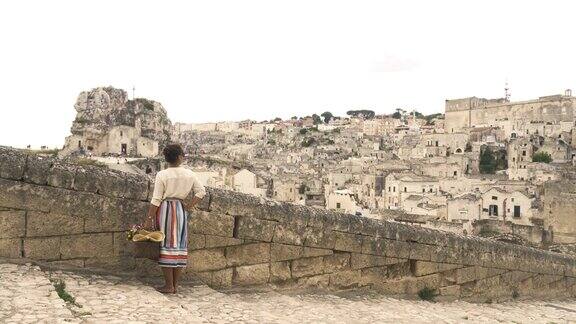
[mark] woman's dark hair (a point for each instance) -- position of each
(172, 152)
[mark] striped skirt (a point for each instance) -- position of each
(172, 221)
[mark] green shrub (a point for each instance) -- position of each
(544, 157)
(487, 161)
(60, 287)
(427, 294)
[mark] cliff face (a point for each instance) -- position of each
(100, 109)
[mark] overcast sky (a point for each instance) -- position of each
(233, 60)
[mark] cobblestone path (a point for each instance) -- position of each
(27, 295)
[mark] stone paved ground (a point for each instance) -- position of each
(26, 295)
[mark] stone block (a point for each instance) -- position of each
(122, 247)
(248, 254)
(336, 262)
(255, 229)
(37, 169)
(318, 238)
(465, 274)
(420, 251)
(312, 252)
(281, 252)
(45, 224)
(234, 203)
(320, 281)
(450, 291)
(359, 261)
(61, 175)
(206, 260)
(196, 241)
(374, 246)
(280, 271)
(414, 285)
(135, 187)
(215, 279)
(488, 284)
(307, 267)
(251, 275)
(220, 241)
(543, 280)
(374, 275)
(211, 224)
(222, 278)
(46, 248)
(422, 268)
(12, 223)
(346, 279)
(20, 195)
(87, 245)
(289, 234)
(108, 219)
(347, 242)
(399, 270)
(10, 248)
(12, 163)
(391, 287)
(397, 249)
(72, 263)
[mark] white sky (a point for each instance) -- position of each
(233, 60)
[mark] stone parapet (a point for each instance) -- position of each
(69, 214)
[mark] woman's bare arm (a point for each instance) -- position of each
(149, 222)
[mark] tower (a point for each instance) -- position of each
(506, 92)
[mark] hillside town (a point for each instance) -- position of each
(489, 167)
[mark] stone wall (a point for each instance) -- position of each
(68, 214)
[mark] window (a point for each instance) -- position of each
(523, 153)
(430, 189)
(423, 190)
(338, 205)
(512, 199)
(493, 210)
(393, 189)
(516, 211)
(405, 189)
(121, 134)
(455, 173)
(494, 198)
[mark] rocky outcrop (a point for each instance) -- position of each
(101, 109)
(67, 214)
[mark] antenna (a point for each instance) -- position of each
(506, 91)
(133, 92)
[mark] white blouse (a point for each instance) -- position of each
(176, 182)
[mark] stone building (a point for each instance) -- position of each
(108, 123)
(466, 113)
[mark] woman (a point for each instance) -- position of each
(167, 214)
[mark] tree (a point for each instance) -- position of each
(487, 161)
(317, 120)
(544, 157)
(399, 113)
(327, 116)
(277, 119)
(366, 114)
